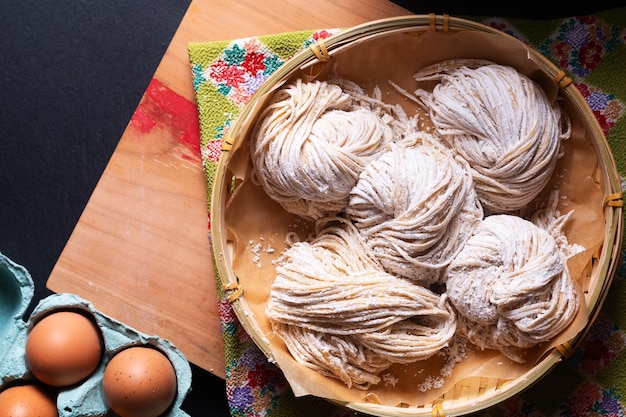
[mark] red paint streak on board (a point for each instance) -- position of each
(142, 120)
(164, 108)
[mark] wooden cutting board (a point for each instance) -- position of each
(140, 251)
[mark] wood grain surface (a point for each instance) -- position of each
(140, 250)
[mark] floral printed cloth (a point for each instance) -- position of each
(592, 50)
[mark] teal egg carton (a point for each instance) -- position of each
(85, 399)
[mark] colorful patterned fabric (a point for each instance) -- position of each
(592, 50)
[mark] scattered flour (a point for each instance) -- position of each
(431, 382)
(454, 353)
(390, 379)
(259, 247)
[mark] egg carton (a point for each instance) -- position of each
(86, 398)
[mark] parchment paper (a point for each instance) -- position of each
(257, 226)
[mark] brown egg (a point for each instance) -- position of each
(139, 382)
(27, 401)
(63, 348)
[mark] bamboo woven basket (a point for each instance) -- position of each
(350, 51)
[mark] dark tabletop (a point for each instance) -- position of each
(72, 73)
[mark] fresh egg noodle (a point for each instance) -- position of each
(340, 357)
(511, 287)
(502, 123)
(415, 206)
(338, 312)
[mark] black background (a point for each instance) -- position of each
(72, 73)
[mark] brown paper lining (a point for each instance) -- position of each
(257, 226)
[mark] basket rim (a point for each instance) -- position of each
(607, 263)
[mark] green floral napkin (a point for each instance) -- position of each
(592, 50)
